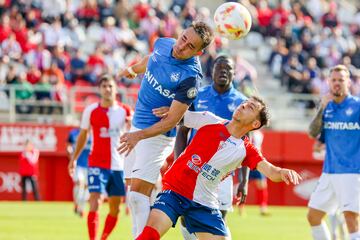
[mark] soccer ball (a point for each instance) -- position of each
(232, 20)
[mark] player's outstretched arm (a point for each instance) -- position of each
(80, 143)
(277, 174)
(133, 71)
(176, 112)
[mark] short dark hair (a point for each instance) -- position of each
(104, 78)
(264, 116)
(204, 31)
(223, 58)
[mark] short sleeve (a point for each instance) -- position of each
(71, 138)
(85, 120)
(128, 110)
(186, 92)
(197, 120)
(253, 155)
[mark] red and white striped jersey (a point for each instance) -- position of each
(210, 157)
(106, 125)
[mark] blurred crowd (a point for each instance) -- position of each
(48, 46)
(308, 38)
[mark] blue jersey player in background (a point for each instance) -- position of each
(171, 73)
(80, 190)
(220, 98)
(338, 123)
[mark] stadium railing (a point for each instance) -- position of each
(288, 111)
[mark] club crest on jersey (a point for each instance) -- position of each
(175, 76)
(196, 159)
(192, 92)
(349, 112)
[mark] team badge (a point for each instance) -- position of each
(192, 92)
(196, 159)
(349, 112)
(175, 76)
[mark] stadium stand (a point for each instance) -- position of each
(49, 48)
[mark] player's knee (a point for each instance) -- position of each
(149, 233)
(313, 218)
(352, 221)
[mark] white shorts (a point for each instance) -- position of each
(225, 194)
(80, 175)
(147, 158)
(337, 191)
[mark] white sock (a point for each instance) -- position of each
(333, 224)
(229, 233)
(76, 191)
(128, 204)
(140, 210)
(320, 232)
(83, 198)
(185, 233)
(355, 235)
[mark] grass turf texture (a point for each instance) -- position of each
(56, 220)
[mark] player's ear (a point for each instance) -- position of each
(256, 124)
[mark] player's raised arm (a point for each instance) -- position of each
(277, 174)
(133, 71)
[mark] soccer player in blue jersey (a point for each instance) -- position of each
(80, 191)
(170, 79)
(338, 123)
(220, 98)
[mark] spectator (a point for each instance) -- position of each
(33, 75)
(5, 29)
(330, 19)
(39, 57)
(320, 85)
(11, 47)
(355, 85)
(28, 169)
(77, 67)
(24, 92)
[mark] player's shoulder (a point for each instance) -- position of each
(163, 44)
(91, 107)
(354, 99)
(205, 89)
(237, 94)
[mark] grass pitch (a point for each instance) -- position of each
(56, 220)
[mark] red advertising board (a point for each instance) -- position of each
(285, 149)
(54, 182)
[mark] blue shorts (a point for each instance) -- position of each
(255, 174)
(102, 180)
(198, 218)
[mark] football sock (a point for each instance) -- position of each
(320, 232)
(185, 233)
(263, 196)
(133, 220)
(93, 223)
(355, 235)
(140, 209)
(149, 233)
(76, 196)
(110, 223)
